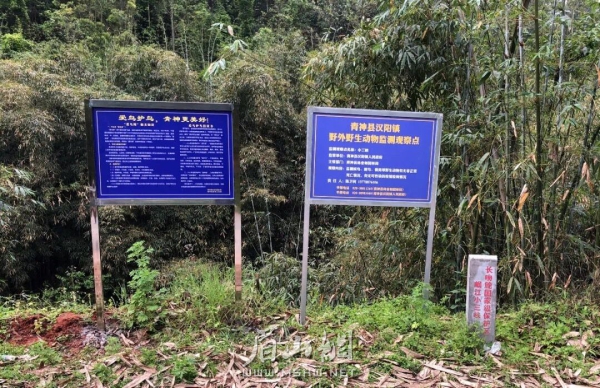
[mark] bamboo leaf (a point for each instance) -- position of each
(523, 197)
(461, 205)
(557, 179)
(587, 174)
(554, 279)
(485, 76)
(510, 219)
(483, 158)
(473, 198)
(429, 79)
(541, 265)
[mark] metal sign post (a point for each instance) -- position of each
(370, 158)
(237, 212)
(161, 153)
(97, 264)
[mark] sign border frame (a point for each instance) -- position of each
(92, 104)
(312, 110)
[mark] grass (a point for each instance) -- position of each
(199, 327)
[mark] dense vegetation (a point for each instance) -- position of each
(516, 82)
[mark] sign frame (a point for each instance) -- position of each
(309, 178)
(201, 107)
(312, 111)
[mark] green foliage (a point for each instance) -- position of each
(11, 192)
(74, 288)
(148, 357)
(319, 19)
(280, 277)
(184, 369)
(264, 86)
(384, 333)
(465, 342)
(45, 354)
(409, 45)
(10, 44)
(104, 373)
(17, 205)
(7, 348)
(145, 306)
(561, 328)
(412, 322)
(69, 24)
(150, 73)
(113, 345)
(13, 16)
(204, 291)
(418, 314)
(436, 56)
(374, 257)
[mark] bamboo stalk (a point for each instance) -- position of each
(506, 188)
(538, 149)
(558, 125)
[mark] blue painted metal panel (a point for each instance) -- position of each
(163, 154)
(373, 158)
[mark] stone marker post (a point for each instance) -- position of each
(481, 294)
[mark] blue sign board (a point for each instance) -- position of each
(373, 156)
(160, 153)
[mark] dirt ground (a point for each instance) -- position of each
(64, 332)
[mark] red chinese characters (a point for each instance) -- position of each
(487, 299)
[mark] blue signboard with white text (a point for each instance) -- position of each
(362, 157)
(164, 152)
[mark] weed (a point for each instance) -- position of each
(14, 373)
(145, 304)
(465, 342)
(205, 291)
(113, 345)
(184, 369)
(148, 357)
(40, 325)
(104, 373)
(14, 350)
(74, 287)
(46, 355)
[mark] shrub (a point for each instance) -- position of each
(11, 44)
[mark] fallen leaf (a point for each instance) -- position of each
(445, 370)
(139, 379)
(411, 354)
(571, 334)
(558, 378)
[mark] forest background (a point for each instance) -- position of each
(515, 80)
